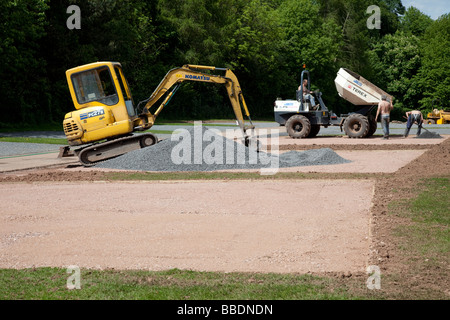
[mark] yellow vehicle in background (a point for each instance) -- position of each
(438, 117)
(105, 117)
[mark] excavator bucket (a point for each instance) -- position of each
(65, 152)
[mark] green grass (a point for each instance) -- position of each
(160, 131)
(196, 175)
(432, 205)
(428, 234)
(34, 140)
(424, 240)
(51, 283)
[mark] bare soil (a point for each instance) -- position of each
(247, 226)
(382, 246)
(386, 252)
(356, 147)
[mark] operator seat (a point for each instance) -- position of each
(307, 100)
(301, 99)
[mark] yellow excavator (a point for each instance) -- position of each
(105, 117)
(438, 117)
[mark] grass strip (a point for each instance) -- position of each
(424, 239)
(428, 234)
(174, 284)
(34, 140)
(196, 175)
(28, 155)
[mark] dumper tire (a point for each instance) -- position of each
(356, 126)
(315, 128)
(298, 126)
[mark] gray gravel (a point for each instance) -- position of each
(188, 154)
(18, 148)
(429, 135)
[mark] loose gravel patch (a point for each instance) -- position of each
(429, 135)
(185, 151)
(17, 148)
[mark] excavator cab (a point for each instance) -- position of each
(95, 85)
(103, 103)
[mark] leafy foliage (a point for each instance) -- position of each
(24, 85)
(415, 22)
(433, 77)
(396, 61)
(265, 42)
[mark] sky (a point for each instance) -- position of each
(432, 8)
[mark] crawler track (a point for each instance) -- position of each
(91, 155)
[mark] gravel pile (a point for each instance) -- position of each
(323, 156)
(429, 135)
(17, 148)
(213, 153)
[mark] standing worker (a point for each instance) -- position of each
(384, 109)
(413, 116)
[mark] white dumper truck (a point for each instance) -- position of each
(302, 120)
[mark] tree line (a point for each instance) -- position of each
(265, 42)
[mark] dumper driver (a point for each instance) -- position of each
(307, 94)
(414, 116)
(384, 109)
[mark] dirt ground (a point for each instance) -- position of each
(204, 225)
(249, 226)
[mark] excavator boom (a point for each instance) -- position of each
(175, 77)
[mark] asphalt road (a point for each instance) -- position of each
(395, 128)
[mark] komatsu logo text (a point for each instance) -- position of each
(190, 76)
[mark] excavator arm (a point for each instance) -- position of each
(175, 77)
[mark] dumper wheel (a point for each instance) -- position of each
(315, 128)
(356, 126)
(298, 126)
(430, 121)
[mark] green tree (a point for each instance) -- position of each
(126, 31)
(265, 42)
(239, 34)
(23, 85)
(254, 52)
(355, 39)
(396, 60)
(434, 75)
(395, 6)
(309, 39)
(351, 17)
(201, 27)
(415, 22)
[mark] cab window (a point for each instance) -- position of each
(95, 85)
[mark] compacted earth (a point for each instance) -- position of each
(336, 224)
